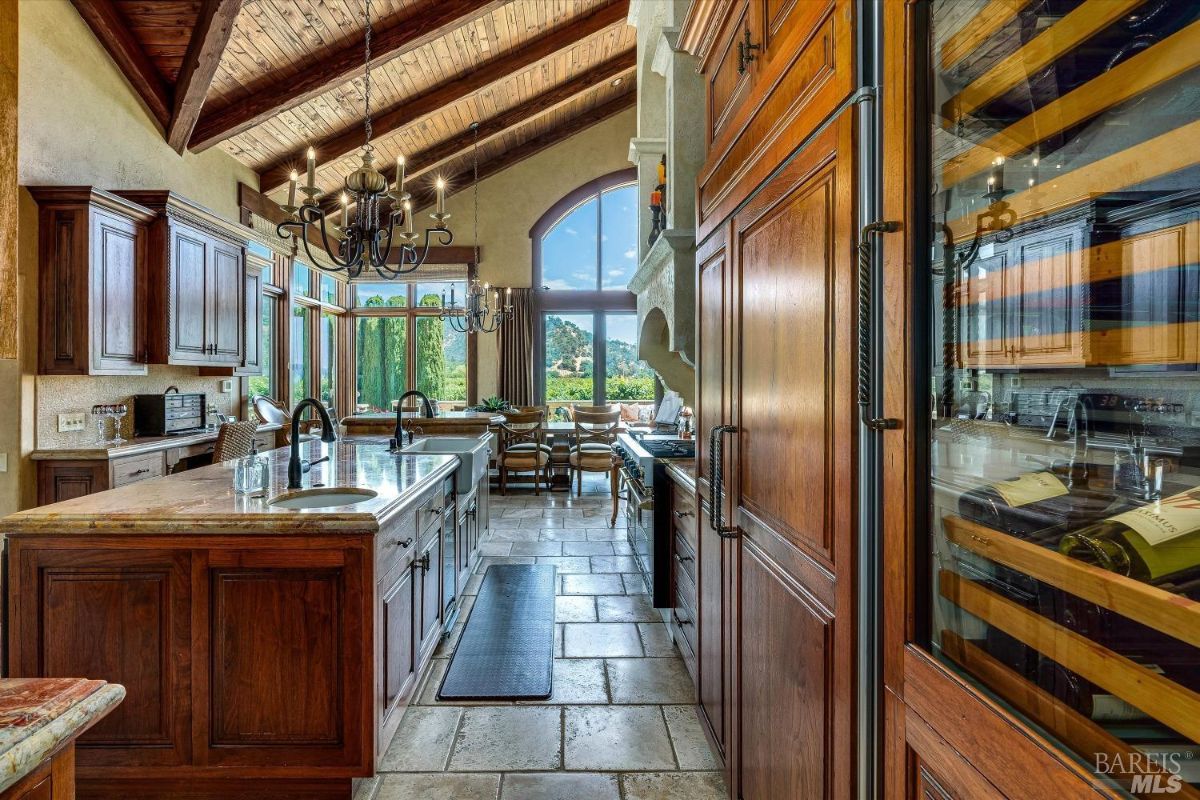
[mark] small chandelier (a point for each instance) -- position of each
(477, 314)
(354, 245)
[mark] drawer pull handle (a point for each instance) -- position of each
(746, 51)
(435, 510)
(682, 514)
(682, 559)
(422, 563)
(141, 471)
(405, 543)
(680, 620)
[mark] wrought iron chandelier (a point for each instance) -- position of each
(477, 314)
(364, 242)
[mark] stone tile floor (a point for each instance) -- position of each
(621, 724)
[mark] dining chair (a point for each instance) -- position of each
(234, 440)
(522, 448)
(594, 435)
(273, 412)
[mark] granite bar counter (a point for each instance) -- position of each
(267, 652)
(203, 501)
(40, 718)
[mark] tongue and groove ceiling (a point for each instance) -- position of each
(263, 79)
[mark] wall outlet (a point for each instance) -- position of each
(227, 386)
(71, 422)
(3, 462)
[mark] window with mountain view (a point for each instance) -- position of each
(585, 252)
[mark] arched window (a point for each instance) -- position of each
(584, 254)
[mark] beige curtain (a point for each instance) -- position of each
(516, 351)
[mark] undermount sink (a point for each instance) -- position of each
(472, 454)
(322, 498)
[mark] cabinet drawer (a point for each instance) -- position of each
(685, 558)
(132, 469)
(394, 546)
(683, 514)
(429, 512)
(684, 615)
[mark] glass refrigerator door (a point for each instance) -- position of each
(1064, 278)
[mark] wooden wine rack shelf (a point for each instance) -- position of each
(1173, 705)
(1058, 719)
(1172, 614)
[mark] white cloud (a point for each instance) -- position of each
(631, 253)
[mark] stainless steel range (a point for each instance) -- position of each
(647, 490)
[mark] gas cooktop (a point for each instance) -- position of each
(669, 448)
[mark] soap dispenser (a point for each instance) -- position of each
(250, 472)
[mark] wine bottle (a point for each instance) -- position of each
(1054, 499)
(1150, 543)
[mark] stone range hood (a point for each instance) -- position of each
(665, 285)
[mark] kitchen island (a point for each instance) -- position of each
(266, 652)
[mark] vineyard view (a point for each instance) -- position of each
(570, 363)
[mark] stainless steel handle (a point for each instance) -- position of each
(865, 239)
(716, 481)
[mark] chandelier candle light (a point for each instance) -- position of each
(364, 241)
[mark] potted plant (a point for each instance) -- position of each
(495, 404)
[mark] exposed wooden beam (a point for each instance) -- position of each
(331, 69)
(427, 160)
(108, 26)
(465, 179)
(451, 91)
(214, 25)
(10, 319)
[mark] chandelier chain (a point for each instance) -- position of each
(368, 147)
(475, 182)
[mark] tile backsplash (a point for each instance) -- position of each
(64, 394)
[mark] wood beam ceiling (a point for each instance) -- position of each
(214, 25)
(427, 160)
(452, 91)
(333, 69)
(110, 29)
(465, 179)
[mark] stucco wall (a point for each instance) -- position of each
(511, 201)
(79, 123)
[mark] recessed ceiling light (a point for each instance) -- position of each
(617, 81)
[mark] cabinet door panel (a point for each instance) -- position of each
(189, 258)
(399, 651)
(727, 84)
(794, 412)
(1047, 282)
(431, 597)
(715, 567)
(117, 308)
(253, 329)
(225, 315)
(126, 617)
(275, 626)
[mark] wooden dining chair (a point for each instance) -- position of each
(234, 440)
(594, 435)
(522, 447)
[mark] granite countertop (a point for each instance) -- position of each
(38, 714)
(130, 447)
(203, 501)
(683, 472)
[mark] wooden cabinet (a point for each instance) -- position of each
(196, 305)
(273, 669)
(66, 480)
(774, 71)
(91, 280)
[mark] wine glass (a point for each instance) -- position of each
(99, 414)
(119, 410)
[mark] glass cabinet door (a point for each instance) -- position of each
(1063, 536)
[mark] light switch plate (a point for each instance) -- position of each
(71, 422)
(227, 386)
(3, 462)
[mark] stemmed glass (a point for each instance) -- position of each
(119, 410)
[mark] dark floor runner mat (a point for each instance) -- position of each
(506, 651)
